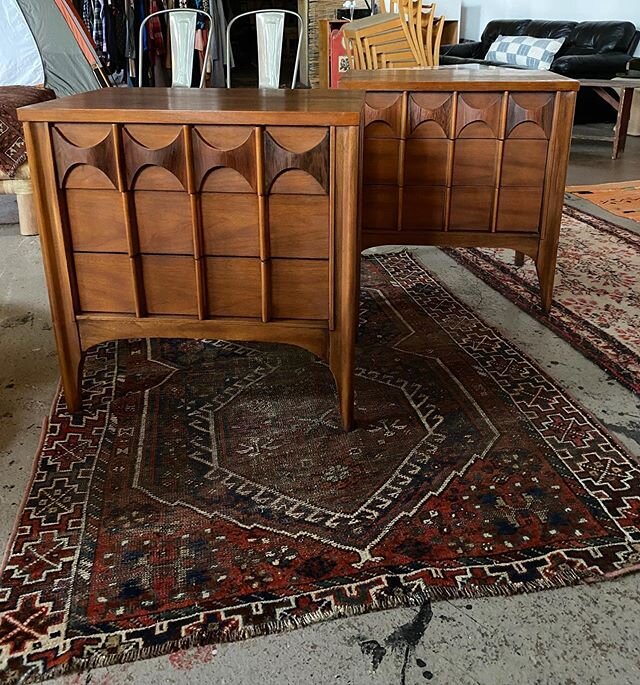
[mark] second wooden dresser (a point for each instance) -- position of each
(466, 157)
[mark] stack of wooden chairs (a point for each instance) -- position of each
(405, 33)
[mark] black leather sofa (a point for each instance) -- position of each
(592, 49)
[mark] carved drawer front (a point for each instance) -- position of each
(105, 283)
(224, 159)
(169, 284)
(296, 160)
(380, 207)
(233, 287)
(426, 161)
(430, 115)
(299, 226)
(85, 156)
(383, 115)
(230, 224)
(519, 209)
(155, 157)
(299, 289)
(471, 208)
(424, 208)
(475, 162)
(164, 222)
(524, 162)
(530, 115)
(96, 220)
(479, 115)
(381, 161)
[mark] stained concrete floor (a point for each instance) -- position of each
(586, 635)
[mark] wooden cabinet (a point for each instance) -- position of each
(228, 214)
(466, 157)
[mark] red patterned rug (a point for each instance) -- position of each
(209, 494)
(596, 300)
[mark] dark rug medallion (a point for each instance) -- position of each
(209, 493)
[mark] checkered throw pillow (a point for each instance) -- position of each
(525, 51)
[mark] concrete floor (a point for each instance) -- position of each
(577, 635)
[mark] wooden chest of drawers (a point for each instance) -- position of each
(216, 214)
(466, 157)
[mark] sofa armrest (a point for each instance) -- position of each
(466, 50)
(606, 65)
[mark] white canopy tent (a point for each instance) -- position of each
(43, 43)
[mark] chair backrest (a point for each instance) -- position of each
(269, 34)
(182, 29)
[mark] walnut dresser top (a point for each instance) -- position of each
(467, 78)
(240, 106)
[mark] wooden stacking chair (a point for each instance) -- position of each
(366, 40)
(438, 30)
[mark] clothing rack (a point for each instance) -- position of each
(114, 27)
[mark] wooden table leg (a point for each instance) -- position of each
(622, 124)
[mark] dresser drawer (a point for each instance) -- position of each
(299, 289)
(224, 159)
(230, 224)
(479, 115)
(85, 156)
(154, 157)
(299, 226)
(471, 208)
(169, 284)
(519, 210)
(424, 208)
(105, 283)
(475, 162)
(380, 162)
(164, 222)
(524, 162)
(426, 161)
(430, 115)
(530, 115)
(380, 207)
(383, 115)
(233, 287)
(96, 220)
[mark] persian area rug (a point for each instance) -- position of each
(210, 494)
(596, 300)
(622, 199)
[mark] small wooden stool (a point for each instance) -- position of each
(20, 186)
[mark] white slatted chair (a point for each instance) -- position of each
(269, 33)
(182, 30)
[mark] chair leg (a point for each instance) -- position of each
(27, 214)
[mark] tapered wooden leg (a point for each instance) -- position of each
(546, 268)
(519, 259)
(342, 340)
(341, 363)
(71, 361)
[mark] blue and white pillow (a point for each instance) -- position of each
(525, 51)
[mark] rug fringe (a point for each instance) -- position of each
(418, 596)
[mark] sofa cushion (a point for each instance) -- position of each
(525, 51)
(550, 29)
(591, 37)
(502, 27)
